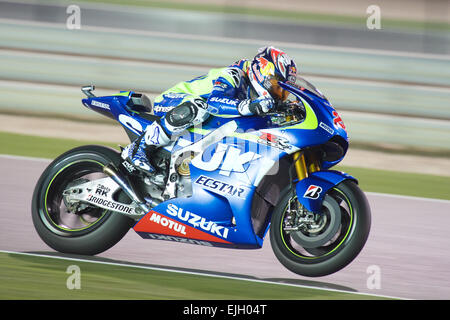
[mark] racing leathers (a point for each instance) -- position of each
(224, 92)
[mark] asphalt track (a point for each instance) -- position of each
(233, 26)
(408, 246)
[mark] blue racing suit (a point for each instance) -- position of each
(224, 92)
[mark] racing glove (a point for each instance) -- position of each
(258, 107)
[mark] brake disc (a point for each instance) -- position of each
(313, 238)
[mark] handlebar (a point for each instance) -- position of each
(290, 107)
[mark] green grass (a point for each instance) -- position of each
(24, 277)
(40, 147)
(384, 181)
(403, 183)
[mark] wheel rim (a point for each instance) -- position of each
(56, 216)
(334, 242)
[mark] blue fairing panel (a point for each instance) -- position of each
(311, 191)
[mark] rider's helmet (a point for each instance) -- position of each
(270, 66)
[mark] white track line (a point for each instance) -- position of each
(12, 157)
(406, 197)
(131, 265)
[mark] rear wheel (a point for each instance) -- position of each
(90, 230)
(318, 244)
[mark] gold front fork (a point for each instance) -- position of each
(300, 165)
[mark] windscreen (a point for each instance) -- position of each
(302, 84)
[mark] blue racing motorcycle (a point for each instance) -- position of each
(226, 183)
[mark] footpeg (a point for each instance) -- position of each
(143, 204)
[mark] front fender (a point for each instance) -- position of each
(311, 191)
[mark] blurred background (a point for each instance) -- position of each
(386, 69)
(383, 64)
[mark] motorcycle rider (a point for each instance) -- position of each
(248, 87)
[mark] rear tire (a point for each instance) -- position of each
(92, 232)
(339, 251)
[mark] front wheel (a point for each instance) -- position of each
(89, 231)
(319, 244)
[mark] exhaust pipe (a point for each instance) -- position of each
(143, 205)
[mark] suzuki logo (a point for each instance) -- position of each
(226, 157)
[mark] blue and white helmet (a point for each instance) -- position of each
(268, 67)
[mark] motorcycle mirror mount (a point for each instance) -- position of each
(87, 90)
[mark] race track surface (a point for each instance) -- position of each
(408, 244)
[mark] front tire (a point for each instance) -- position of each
(295, 249)
(88, 233)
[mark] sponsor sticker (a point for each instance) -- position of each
(174, 95)
(130, 168)
(220, 86)
(229, 159)
(197, 221)
(102, 190)
(221, 187)
(178, 239)
(224, 101)
(162, 109)
(274, 141)
(100, 104)
(313, 192)
(108, 204)
(168, 223)
(326, 128)
(337, 121)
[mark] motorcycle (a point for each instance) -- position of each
(227, 183)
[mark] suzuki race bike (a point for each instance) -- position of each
(225, 184)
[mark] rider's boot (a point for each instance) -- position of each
(135, 152)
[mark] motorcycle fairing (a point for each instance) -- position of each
(311, 190)
(164, 224)
(224, 179)
(223, 219)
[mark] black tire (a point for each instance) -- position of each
(338, 252)
(103, 229)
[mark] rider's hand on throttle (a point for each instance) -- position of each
(261, 105)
